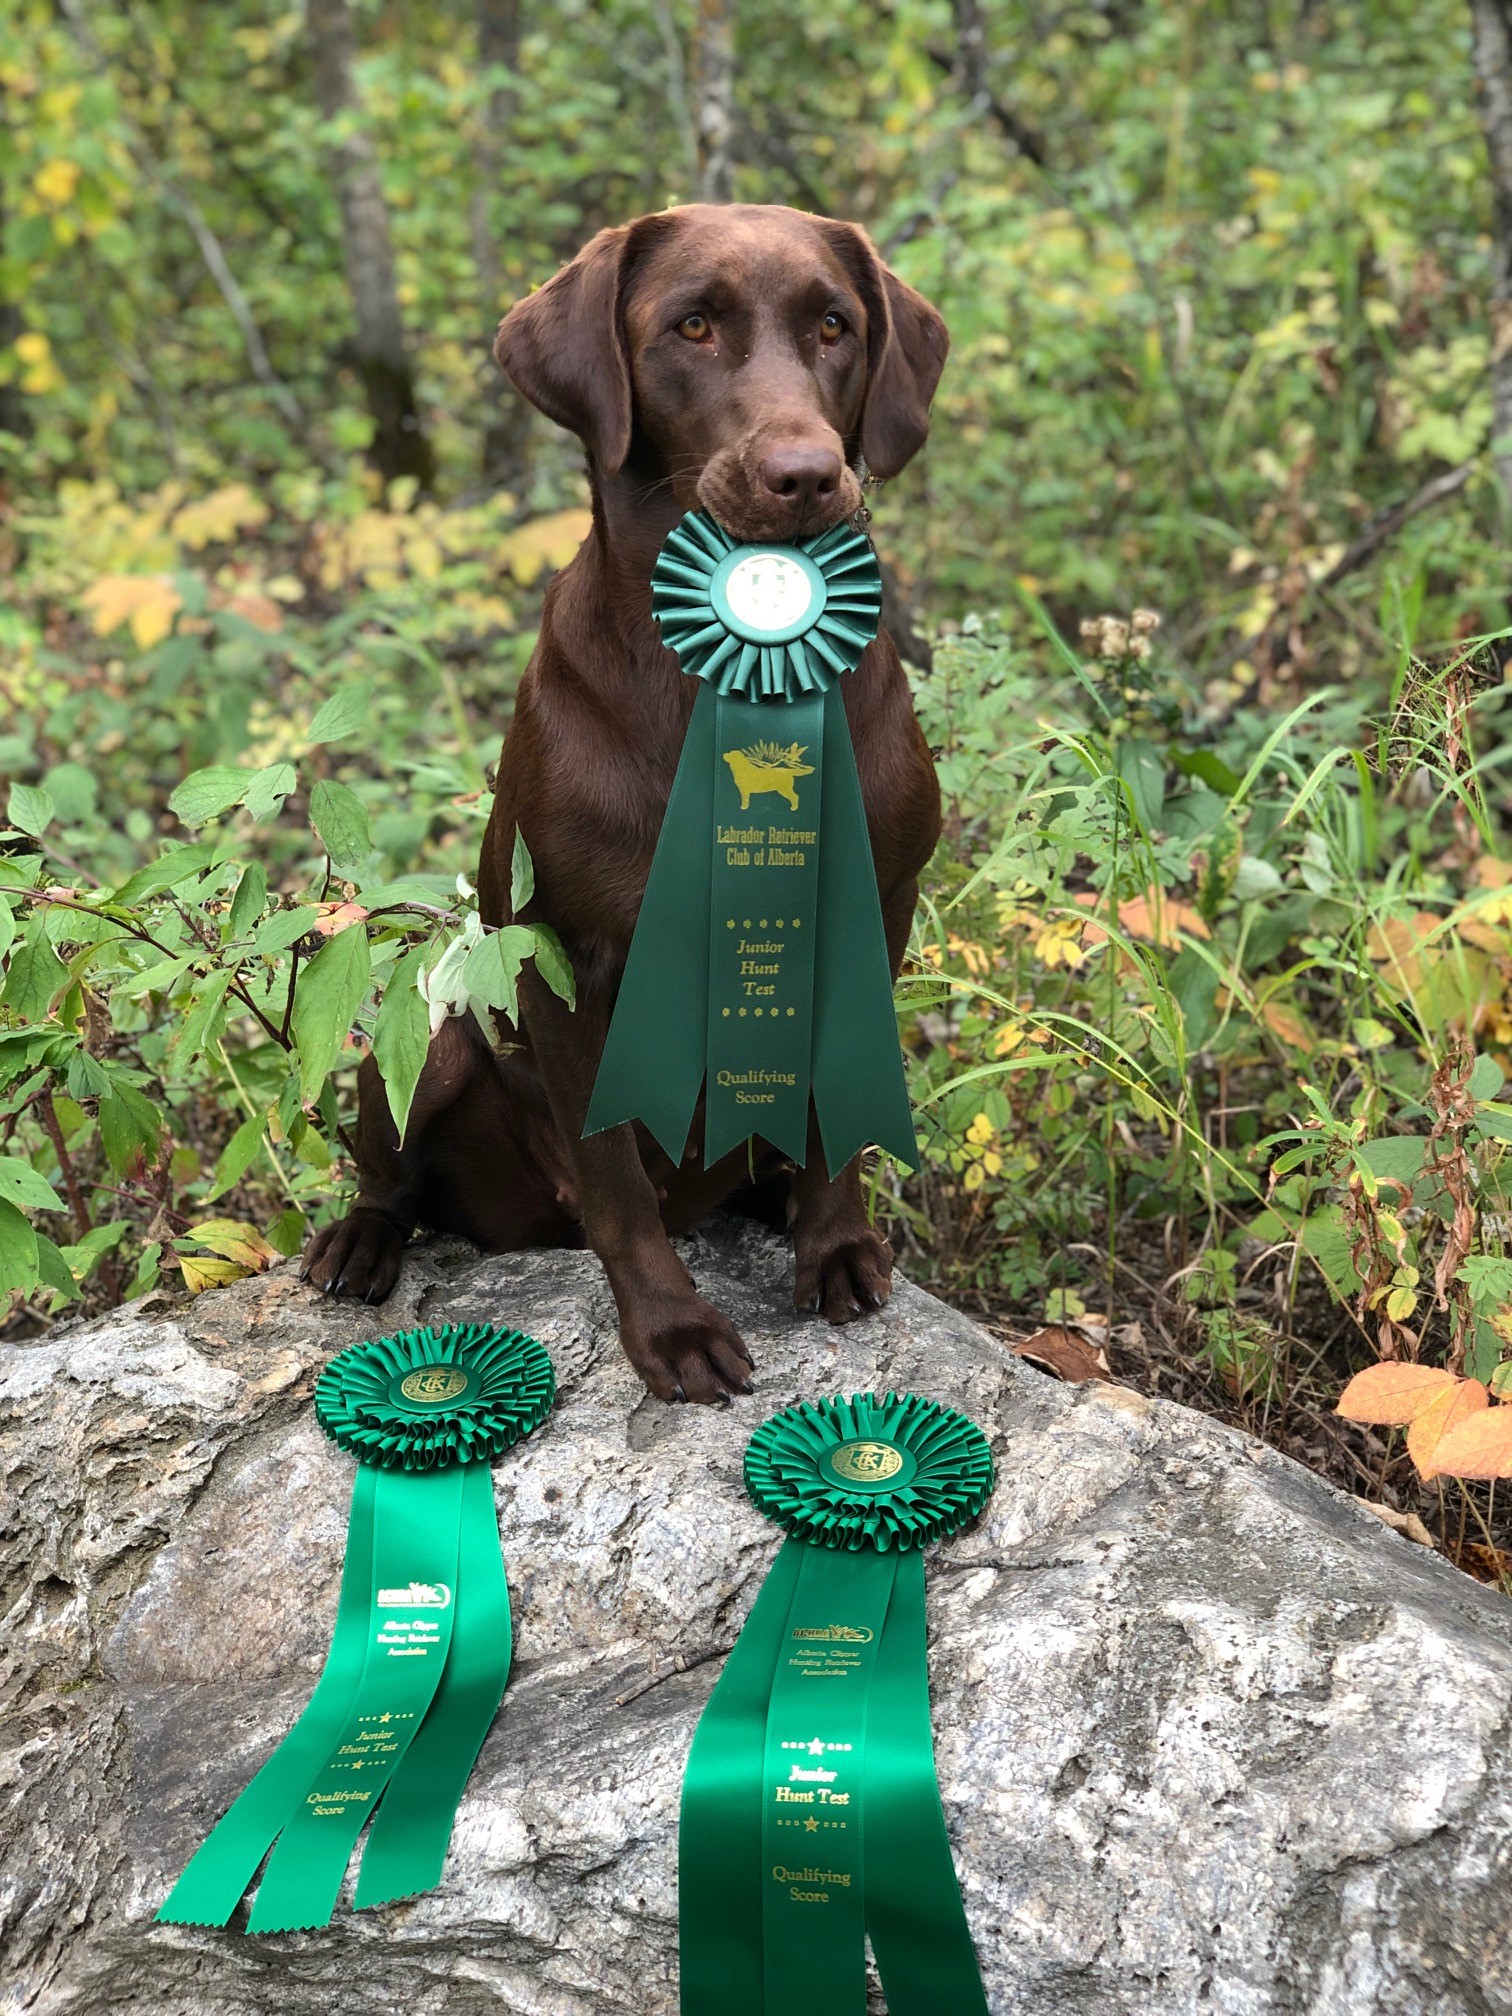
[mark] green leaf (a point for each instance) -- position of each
(278, 932)
(129, 1126)
(492, 970)
(269, 788)
(7, 928)
(87, 1076)
(148, 1272)
(1371, 1034)
(338, 817)
(1487, 1078)
(1194, 982)
(250, 900)
(207, 793)
(330, 991)
(29, 809)
(1398, 1155)
(176, 866)
(521, 875)
(73, 790)
(1142, 768)
(553, 965)
(401, 1036)
(1253, 879)
(18, 1251)
(22, 1184)
(204, 1020)
(1493, 1118)
(287, 1232)
(36, 975)
(1209, 769)
(54, 1270)
(343, 714)
(1489, 1278)
(237, 1156)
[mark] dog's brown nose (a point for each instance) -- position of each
(801, 474)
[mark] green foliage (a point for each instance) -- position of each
(186, 1030)
(1206, 934)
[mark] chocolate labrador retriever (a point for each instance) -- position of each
(744, 360)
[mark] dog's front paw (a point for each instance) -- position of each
(360, 1256)
(845, 1275)
(685, 1349)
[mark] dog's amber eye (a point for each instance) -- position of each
(832, 328)
(695, 328)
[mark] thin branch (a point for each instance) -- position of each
(683, 1662)
(210, 248)
(71, 1184)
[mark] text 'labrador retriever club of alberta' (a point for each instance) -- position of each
(746, 361)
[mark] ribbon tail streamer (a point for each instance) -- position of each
(814, 1775)
(653, 1061)
(416, 1519)
(859, 1089)
(407, 1843)
(720, 1869)
(215, 1880)
(914, 1913)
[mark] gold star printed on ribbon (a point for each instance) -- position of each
(812, 1826)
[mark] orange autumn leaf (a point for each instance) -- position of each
(1390, 1395)
(1479, 1447)
(1284, 1021)
(1154, 915)
(1432, 1423)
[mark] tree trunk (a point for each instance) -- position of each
(714, 89)
(1492, 47)
(506, 437)
(399, 445)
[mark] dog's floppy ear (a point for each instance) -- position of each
(906, 346)
(563, 348)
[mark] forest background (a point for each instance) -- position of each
(1203, 579)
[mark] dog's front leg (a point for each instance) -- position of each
(681, 1345)
(843, 1264)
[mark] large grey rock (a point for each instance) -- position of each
(1210, 1738)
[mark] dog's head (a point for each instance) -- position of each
(744, 357)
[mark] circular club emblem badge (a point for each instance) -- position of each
(433, 1385)
(869, 1466)
(768, 595)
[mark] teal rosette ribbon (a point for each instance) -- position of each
(421, 1649)
(811, 1818)
(758, 969)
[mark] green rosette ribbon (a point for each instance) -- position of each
(421, 1649)
(811, 1817)
(758, 968)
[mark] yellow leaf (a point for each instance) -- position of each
(148, 602)
(1389, 1395)
(213, 520)
(243, 1245)
(1428, 1427)
(1479, 1447)
(975, 1176)
(548, 542)
(202, 1274)
(56, 182)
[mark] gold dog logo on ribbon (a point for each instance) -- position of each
(866, 1462)
(765, 766)
(432, 1385)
